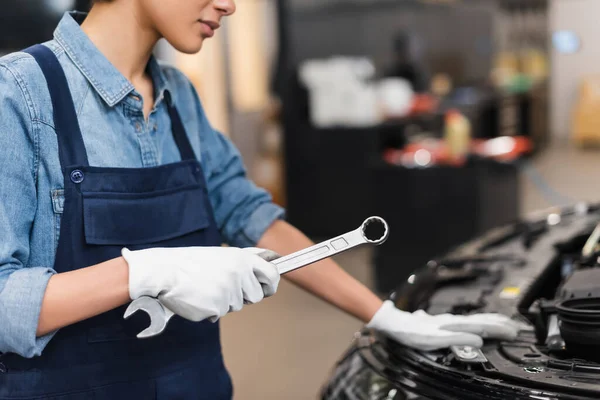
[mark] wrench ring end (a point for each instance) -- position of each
(374, 236)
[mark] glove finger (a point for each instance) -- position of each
(252, 289)
(443, 340)
(268, 276)
(522, 326)
(491, 330)
(236, 301)
(221, 299)
(421, 313)
(457, 339)
(487, 319)
(516, 325)
(503, 319)
(186, 310)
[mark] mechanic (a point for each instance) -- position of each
(114, 186)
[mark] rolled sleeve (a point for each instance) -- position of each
(22, 287)
(20, 305)
(258, 222)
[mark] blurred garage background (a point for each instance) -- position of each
(446, 117)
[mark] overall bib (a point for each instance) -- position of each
(105, 210)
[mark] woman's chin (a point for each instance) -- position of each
(190, 46)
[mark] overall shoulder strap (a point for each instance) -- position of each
(179, 134)
(70, 141)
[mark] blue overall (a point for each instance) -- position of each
(105, 210)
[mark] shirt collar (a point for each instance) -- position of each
(110, 84)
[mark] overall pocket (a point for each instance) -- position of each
(140, 220)
(136, 219)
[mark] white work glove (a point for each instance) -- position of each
(201, 282)
(422, 331)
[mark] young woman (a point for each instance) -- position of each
(113, 185)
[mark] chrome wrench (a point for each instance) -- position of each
(373, 230)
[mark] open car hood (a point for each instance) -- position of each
(529, 271)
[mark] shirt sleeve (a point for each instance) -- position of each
(22, 287)
(243, 211)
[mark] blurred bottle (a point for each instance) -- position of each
(441, 85)
(535, 65)
(457, 136)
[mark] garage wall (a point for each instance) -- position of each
(454, 38)
(582, 17)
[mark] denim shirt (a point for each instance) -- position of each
(115, 133)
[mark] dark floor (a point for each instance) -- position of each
(284, 347)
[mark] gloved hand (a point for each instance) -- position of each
(426, 332)
(201, 282)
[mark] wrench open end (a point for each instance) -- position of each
(158, 315)
(375, 230)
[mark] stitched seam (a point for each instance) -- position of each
(111, 99)
(89, 89)
(36, 162)
(60, 51)
(56, 195)
(31, 110)
(14, 57)
(24, 92)
(57, 49)
(75, 61)
(41, 121)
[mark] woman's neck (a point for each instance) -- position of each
(118, 31)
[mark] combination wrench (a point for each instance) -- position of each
(373, 230)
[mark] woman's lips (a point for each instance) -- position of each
(209, 27)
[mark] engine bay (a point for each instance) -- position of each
(545, 272)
